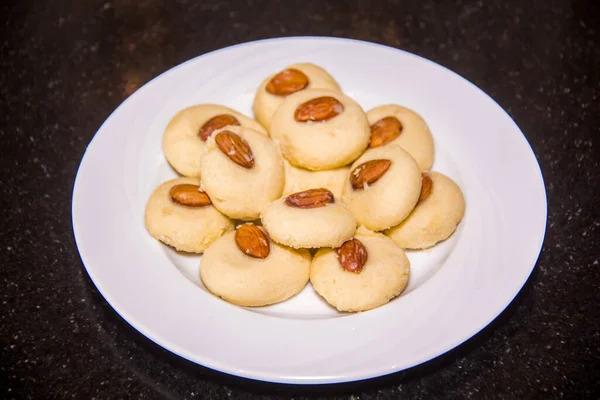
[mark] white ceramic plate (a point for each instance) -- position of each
(455, 290)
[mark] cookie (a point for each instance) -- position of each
(246, 268)
(299, 179)
(309, 219)
(393, 124)
(273, 90)
(242, 171)
(179, 215)
(185, 136)
(440, 209)
(364, 273)
(320, 129)
(383, 187)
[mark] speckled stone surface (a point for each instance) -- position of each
(66, 65)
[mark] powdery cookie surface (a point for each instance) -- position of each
(265, 103)
(383, 277)
(240, 279)
(299, 179)
(415, 136)
(185, 228)
(182, 144)
(239, 192)
(327, 226)
(434, 219)
(320, 145)
(389, 200)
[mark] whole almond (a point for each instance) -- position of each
(368, 173)
(189, 195)
(384, 131)
(287, 82)
(252, 241)
(353, 255)
(217, 122)
(426, 186)
(236, 148)
(320, 109)
(311, 198)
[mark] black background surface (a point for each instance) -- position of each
(66, 65)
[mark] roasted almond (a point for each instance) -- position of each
(320, 109)
(384, 131)
(353, 255)
(218, 122)
(252, 241)
(426, 186)
(311, 198)
(287, 82)
(189, 195)
(368, 173)
(236, 148)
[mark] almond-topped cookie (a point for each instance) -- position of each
(365, 272)
(181, 215)
(242, 172)
(309, 219)
(440, 209)
(383, 187)
(292, 79)
(320, 129)
(394, 124)
(184, 139)
(247, 268)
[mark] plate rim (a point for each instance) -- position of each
(286, 379)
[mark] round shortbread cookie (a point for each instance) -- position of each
(182, 142)
(305, 76)
(435, 217)
(235, 190)
(333, 142)
(299, 179)
(185, 228)
(326, 226)
(383, 277)
(240, 279)
(394, 124)
(390, 199)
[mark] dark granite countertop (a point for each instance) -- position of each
(66, 65)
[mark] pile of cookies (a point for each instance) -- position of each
(313, 189)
